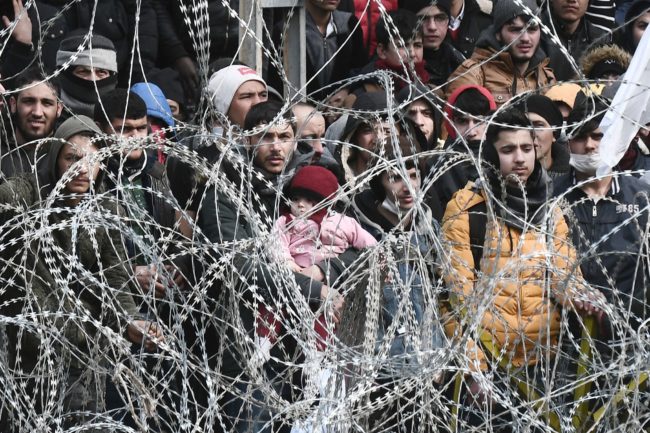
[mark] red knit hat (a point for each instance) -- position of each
(316, 180)
(316, 183)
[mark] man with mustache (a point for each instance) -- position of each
(236, 217)
(508, 59)
(34, 109)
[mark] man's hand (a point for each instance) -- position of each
(189, 76)
(478, 394)
(150, 277)
(144, 332)
(590, 303)
(335, 299)
(313, 272)
(22, 31)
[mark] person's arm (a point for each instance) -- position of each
(19, 52)
(222, 223)
(568, 287)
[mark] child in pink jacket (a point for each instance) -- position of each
(309, 233)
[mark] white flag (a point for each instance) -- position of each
(628, 110)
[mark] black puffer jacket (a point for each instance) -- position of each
(609, 236)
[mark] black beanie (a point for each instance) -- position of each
(544, 107)
(604, 67)
(505, 10)
(416, 6)
(586, 115)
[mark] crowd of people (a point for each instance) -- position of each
(421, 240)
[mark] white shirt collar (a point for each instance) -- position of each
(454, 22)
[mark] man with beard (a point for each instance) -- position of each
(138, 180)
(34, 110)
(236, 217)
(508, 59)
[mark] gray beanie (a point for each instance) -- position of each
(505, 10)
(77, 125)
(102, 55)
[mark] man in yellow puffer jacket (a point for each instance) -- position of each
(511, 300)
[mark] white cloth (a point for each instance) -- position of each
(629, 110)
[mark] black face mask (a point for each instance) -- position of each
(84, 90)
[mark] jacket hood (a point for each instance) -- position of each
(47, 170)
(449, 108)
(369, 105)
(602, 54)
(154, 98)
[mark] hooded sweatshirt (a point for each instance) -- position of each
(77, 272)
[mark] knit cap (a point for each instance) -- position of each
(416, 6)
(76, 125)
(315, 182)
(544, 107)
(224, 84)
(505, 10)
(97, 51)
(564, 92)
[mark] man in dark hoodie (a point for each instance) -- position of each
(237, 213)
(363, 133)
(575, 31)
(603, 211)
(508, 59)
(77, 272)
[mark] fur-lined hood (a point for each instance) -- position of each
(601, 53)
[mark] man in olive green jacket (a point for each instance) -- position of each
(66, 291)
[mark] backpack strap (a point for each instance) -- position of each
(477, 228)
